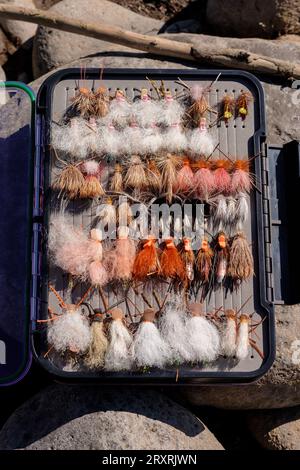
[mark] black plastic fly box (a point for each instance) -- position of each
(37, 292)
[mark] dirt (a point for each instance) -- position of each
(160, 9)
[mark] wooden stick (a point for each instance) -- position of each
(157, 45)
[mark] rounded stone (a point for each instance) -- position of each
(18, 31)
(249, 18)
(54, 49)
(65, 417)
(276, 429)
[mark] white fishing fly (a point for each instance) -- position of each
(118, 356)
(172, 111)
(204, 339)
(146, 111)
(70, 332)
(174, 139)
(201, 142)
(149, 348)
(219, 215)
(229, 334)
(119, 110)
(242, 343)
(68, 248)
(242, 211)
(98, 346)
(131, 138)
(151, 140)
(173, 330)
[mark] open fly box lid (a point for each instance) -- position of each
(237, 138)
(17, 107)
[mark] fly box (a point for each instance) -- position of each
(146, 209)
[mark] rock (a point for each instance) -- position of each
(270, 48)
(18, 31)
(52, 50)
(290, 38)
(279, 388)
(65, 417)
(249, 18)
(118, 58)
(6, 48)
(276, 429)
(282, 118)
(2, 75)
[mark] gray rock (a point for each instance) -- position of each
(276, 429)
(6, 48)
(283, 123)
(2, 75)
(52, 50)
(86, 418)
(279, 388)
(277, 48)
(249, 18)
(18, 31)
(119, 58)
(290, 38)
